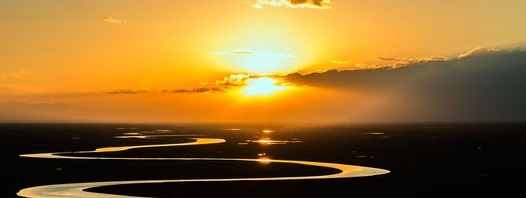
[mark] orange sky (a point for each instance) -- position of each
(179, 61)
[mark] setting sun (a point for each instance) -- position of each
(262, 86)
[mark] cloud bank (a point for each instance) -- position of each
(226, 84)
(480, 85)
(317, 4)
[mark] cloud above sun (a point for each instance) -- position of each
(257, 61)
(249, 52)
(316, 4)
(113, 20)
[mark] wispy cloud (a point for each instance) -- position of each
(113, 20)
(18, 74)
(16, 104)
(194, 90)
(249, 52)
(127, 91)
(178, 90)
(222, 85)
(339, 62)
(317, 4)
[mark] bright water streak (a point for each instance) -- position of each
(76, 190)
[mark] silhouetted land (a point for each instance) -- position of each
(425, 160)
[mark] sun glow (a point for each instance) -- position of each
(259, 62)
(262, 86)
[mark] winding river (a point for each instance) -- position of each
(77, 190)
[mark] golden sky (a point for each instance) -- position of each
(260, 60)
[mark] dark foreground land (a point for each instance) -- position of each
(425, 160)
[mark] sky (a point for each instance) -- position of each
(262, 61)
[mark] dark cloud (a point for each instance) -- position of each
(481, 85)
(403, 61)
(319, 3)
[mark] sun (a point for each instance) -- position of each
(262, 86)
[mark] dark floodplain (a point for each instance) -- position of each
(424, 160)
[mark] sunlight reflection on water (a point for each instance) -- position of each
(77, 189)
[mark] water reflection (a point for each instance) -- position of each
(139, 136)
(267, 141)
(264, 159)
(267, 131)
(77, 189)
